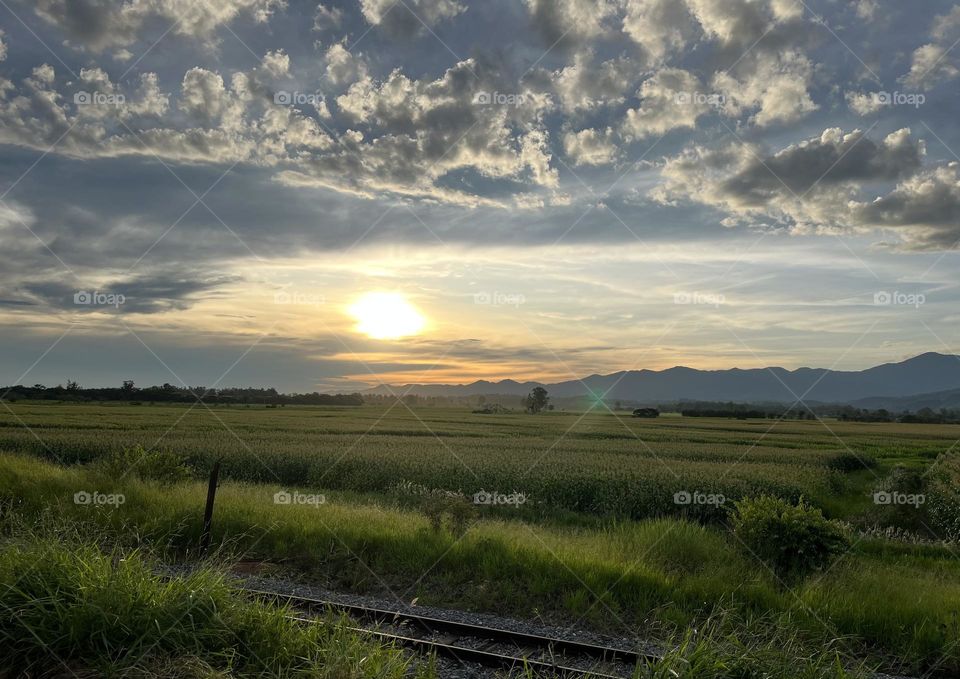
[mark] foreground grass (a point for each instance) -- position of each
(644, 579)
(69, 608)
(71, 605)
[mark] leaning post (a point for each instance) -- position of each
(208, 512)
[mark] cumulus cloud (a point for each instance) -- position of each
(100, 119)
(584, 84)
(774, 85)
(671, 98)
(97, 26)
(342, 66)
(661, 27)
(590, 147)
(932, 63)
(742, 22)
(867, 9)
(819, 185)
(924, 209)
(564, 23)
(204, 98)
(864, 104)
(929, 65)
(3, 47)
(428, 128)
(327, 18)
(408, 17)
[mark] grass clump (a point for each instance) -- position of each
(720, 648)
(793, 540)
(153, 465)
(69, 605)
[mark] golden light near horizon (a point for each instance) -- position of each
(386, 315)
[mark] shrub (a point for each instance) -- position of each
(793, 540)
(910, 516)
(450, 511)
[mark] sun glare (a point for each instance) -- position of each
(386, 315)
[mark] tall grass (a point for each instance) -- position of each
(69, 608)
(640, 578)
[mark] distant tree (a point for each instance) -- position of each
(536, 400)
(127, 387)
(72, 386)
(617, 405)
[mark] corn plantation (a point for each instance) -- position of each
(595, 463)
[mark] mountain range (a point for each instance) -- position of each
(926, 374)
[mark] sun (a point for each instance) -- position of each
(386, 315)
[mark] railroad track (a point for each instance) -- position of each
(468, 643)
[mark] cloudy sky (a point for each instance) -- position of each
(204, 192)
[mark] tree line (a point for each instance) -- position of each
(168, 393)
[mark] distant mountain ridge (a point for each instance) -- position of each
(921, 375)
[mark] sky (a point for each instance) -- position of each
(330, 196)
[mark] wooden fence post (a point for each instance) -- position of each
(208, 512)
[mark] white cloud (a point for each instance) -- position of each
(584, 85)
(590, 147)
(662, 27)
(571, 21)
(343, 67)
(816, 185)
(932, 63)
(327, 18)
(671, 98)
(924, 209)
(408, 17)
(864, 104)
(204, 98)
(867, 9)
(104, 25)
(775, 85)
(929, 66)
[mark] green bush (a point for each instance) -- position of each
(793, 540)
